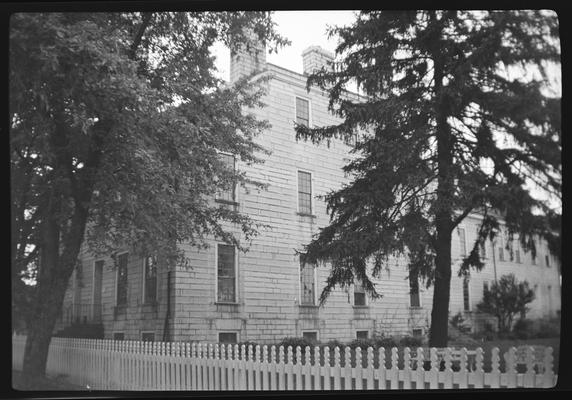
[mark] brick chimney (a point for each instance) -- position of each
(245, 61)
(315, 57)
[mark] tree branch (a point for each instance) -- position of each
(139, 35)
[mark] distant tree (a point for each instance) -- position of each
(505, 299)
(116, 124)
(456, 122)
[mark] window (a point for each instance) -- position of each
(414, 300)
(227, 194)
(122, 260)
(307, 284)
(462, 242)
(485, 287)
(517, 256)
(547, 260)
(466, 301)
(501, 249)
(310, 335)
(228, 337)
(118, 336)
(302, 111)
(304, 192)
(148, 336)
(226, 274)
(359, 294)
(362, 334)
(418, 332)
(533, 258)
(150, 280)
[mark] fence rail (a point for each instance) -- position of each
(136, 365)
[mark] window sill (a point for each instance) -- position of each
(309, 306)
(227, 303)
(228, 202)
(415, 307)
(360, 307)
(306, 215)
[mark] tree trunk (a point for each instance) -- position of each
(440, 313)
(445, 192)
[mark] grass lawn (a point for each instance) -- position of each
(48, 383)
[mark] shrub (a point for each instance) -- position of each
(363, 343)
(411, 341)
(523, 329)
(386, 342)
(548, 329)
(332, 344)
(296, 341)
(505, 299)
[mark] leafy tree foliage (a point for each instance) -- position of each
(456, 123)
(116, 124)
(505, 299)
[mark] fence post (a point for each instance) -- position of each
(529, 375)
(347, 368)
(394, 379)
(479, 373)
(265, 367)
(510, 367)
(326, 368)
(298, 368)
(257, 368)
(317, 369)
(273, 368)
(434, 373)
(307, 376)
(407, 368)
(448, 373)
(337, 369)
(420, 370)
(358, 369)
(548, 379)
(463, 369)
(370, 368)
(281, 369)
(495, 368)
(381, 368)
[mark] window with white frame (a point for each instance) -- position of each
(362, 334)
(307, 283)
(414, 300)
(304, 192)
(547, 260)
(501, 247)
(228, 337)
(310, 335)
(359, 294)
(150, 280)
(466, 299)
(122, 261)
(228, 194)
(462, 242)
(302, 111)
(226, 274)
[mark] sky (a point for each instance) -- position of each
(303, 29)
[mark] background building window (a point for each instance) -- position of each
(302, 111)
(462, 242)
(122, 260)
(485, 287)
(304, 192)
(547, 260)
(148, 336)
(517, 256)
(228, 337)
(362, 334)
(533, 258)
(414, 300)
(226, 274)
(466, 300)
(227, 194)
(418, 332)
(307, 284)
(150, 280)
(118, 336)
(359, 294)
(310, 335)
(501, 249)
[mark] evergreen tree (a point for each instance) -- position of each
(116, 124)
(455, 122)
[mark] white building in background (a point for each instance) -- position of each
(267, 294)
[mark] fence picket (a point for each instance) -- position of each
(316, 370)
(347, 368)
(407, 368)
(337, 369)
(306, 369)
(434, 372)
(381, 370)
(495, 374)
(510, 367)
(548, 380)
(326, 368)
(358, 369)
(420, 370)
(264, 367)
(273, 365)
(394, 377)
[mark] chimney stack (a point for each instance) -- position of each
(244, 62)
(315, 57)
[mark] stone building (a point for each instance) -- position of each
(266, 294)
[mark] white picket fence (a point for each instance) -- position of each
(135, 365)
